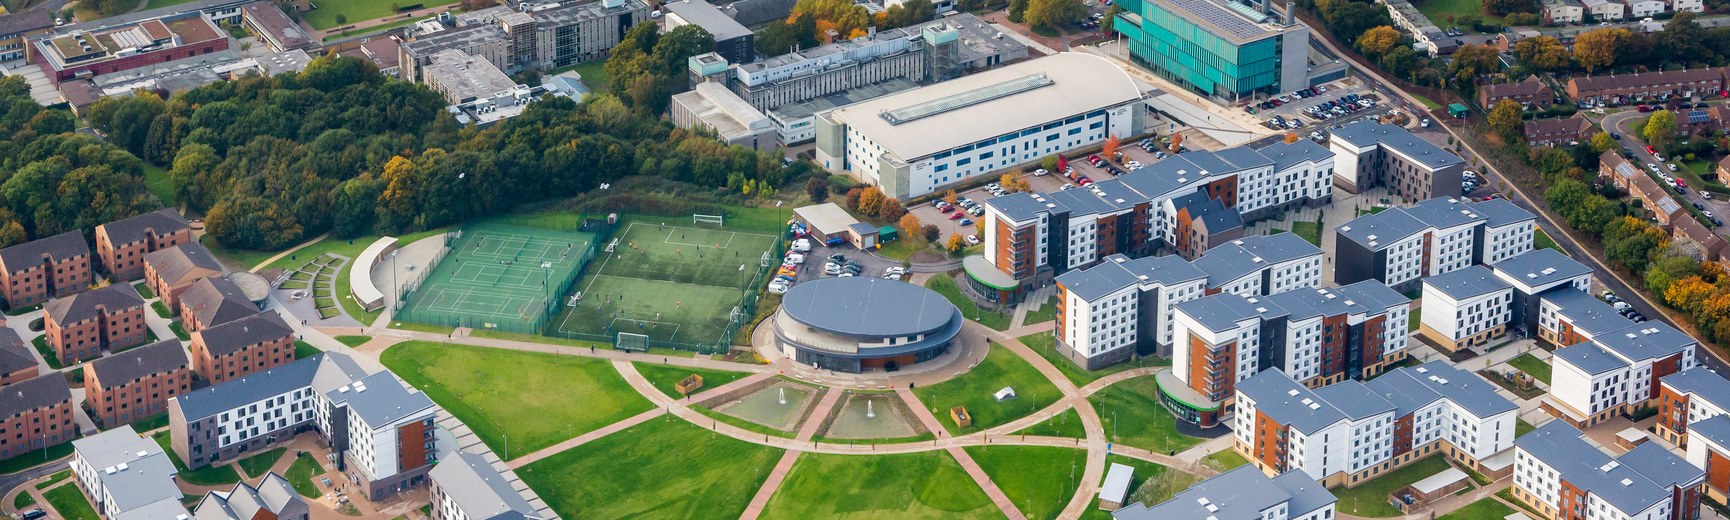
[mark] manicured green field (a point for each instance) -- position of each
(659, 469)
(28, 460)
(517, 402)
(1370, 499)
(1532, 366)
(1037, 479)
(1227, 460)
(1310, 231)
(54, 479)
(223, 475)
(912, 486)
(1066, 424)
(359, 11)
(1045, 344)
(1140, 421)
(665, 377)
(71, 504)
(303, 349)
(1158, 480)
(256, 465)
(354, 341)
(1521, 427)
(1542, 240)
(945, 285)
(22, 501)
(1486, 509)
(300, 475)
(594, 75)
(143, 290)
(974, 390)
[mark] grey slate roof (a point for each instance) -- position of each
(1239, 494)
(1368, 297)
(868, 307)
(1702, 383)
(1394, 224)
(1586, 313)
(324, 372)
(753, 12)
(1541, 267)
(29, 254)
(1272, 389)
(1365, 133)
(1019, 206)
(1590, 357)
(1445, 212)
(161, 222)
(30, 20)
(272, 494)
(89, 304)
(1306, 494)
(1500, 212)
(1625, 485)
(1410, 388)
(1287, 155)
(1211, 213)
(1355, 400)
(1376, 231)
(380, 399)
(705, 15)
(1716, 428)
(124, 367)
(1235, 259)
(1646, 340)
(173, 264)
(1118, 271)
(14, 355)
(215, 301)
(148, 475)
(230, 337)
(479, 490)
(1222, 311)
(33, 393)
(1465, 283)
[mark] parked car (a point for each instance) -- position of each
(966, 222)
(972, 240)
(955, 215)
(1705, 194)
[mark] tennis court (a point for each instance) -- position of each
(499, 276)
(674, 283)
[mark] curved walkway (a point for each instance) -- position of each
(279, 256)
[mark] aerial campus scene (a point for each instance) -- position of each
(862, 259)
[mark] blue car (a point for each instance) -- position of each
(1615, 136)
(966, 222)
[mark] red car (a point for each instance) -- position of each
(1650, 149)
(955, 215)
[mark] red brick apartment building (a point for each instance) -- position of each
(80, 326)
(1627, 88)
(170, 272)
(16, 363)
(135, 384)
(34, 271)
(213, 301)
(1531, 93)
(240, 347)
(35, 414)
(116, 44)
(1559, 132)
(123, 243)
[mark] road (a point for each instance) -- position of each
(1619, 123)
(1440, 134)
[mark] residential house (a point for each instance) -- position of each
(135, 384)
(213, 301)
(1530, 93)
(1559, 132)
(1619, 89)
(123, 243)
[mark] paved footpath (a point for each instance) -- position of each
(633, 421)
(767, 491)
(961, 456)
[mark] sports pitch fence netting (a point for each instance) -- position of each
(684, 285)
(502, 276)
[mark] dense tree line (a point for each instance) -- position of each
(647, 66)
(811, 18)
(341, 148)
(53, 181)
(1682, 43)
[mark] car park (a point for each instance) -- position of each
(966, 222)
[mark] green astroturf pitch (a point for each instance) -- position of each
(498, 274)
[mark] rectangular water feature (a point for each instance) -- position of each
(871, 416)
(778, 406)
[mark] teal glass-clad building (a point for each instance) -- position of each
(1220, 48)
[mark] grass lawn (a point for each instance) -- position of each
(1486, 509)
(594, 75)
(531, 399)
(1228, 459)
(357, 11)
(1033, 477)
(1046, 312)
(150, 423)
(1439, 10)
(71, 504)
(155, 177)
(354, 341)
(974, 390)
(945, 285)
(376, 28)
(902, 249)
(1542, 240)
(23, 462)
(1426, 101)
(161, 310)
(1415, 321)
(240, 259)
(301, 473)
(1310, 231)
(1141, 421)
(909, 486)
(1370, 499)
(162, 3)
(143, 290)
(659, 469)
(22, 501)
(223, 475)
(47, 352)
(303, 349)
(1066, 424)
(256, 465)
(1532, 366)
(536, 338)
(1521, 427)
(665, 377)
(54, 479)
(179, 330)
(1044, 344)
(1144, 471)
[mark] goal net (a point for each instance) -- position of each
(707, 219)
(631, 342)
(761, 263)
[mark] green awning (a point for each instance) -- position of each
(981, 270)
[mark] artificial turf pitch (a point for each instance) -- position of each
(499, 276)
(673, 283)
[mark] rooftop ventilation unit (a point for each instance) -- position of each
(1314, 406)
(1292, 392)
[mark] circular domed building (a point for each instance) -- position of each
(852, 323)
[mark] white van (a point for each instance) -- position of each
(802, 245)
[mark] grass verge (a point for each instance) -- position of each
(659, 469)
(974, 390)
(1131, 414)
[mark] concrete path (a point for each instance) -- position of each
(585, 438)
(279, 256)
(985, 483)
(819, 415)
(923, 414)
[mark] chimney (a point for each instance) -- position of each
(1290, 13)
(1267, 7)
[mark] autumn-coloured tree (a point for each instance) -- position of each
(1505, 119)
(910, 225)
(1176, 141)
(853, 198)
(955, 243)
(1602, 142)
(891, 210)
(1007, 181)
(1378, 41)
(1542, 53)
(1660, 128)
(1291, 137)
(949, 196)
(871, 201)
(1688, 294)
(398, 204)
(1110, 148)
(1599, 48)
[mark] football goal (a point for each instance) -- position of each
(631, 342)
(707, 219)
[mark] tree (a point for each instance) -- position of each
(949, 196)
(1602, 142)
(890, 209)
(931, 232)
(1049, 163)
(1520, 19)
(871, 201)
(1106, 24)
(341, 19)
(1683, 40)
(853, 198)
(1402, 61)
(817, 188)
(1542, 53)
(1176, 142)
(1688, 294)
(1017, 10)
(1054, 13)
(1292, 137)
(1378, 41)
(955, 243)
(1470, 61)
(1349, 19)
(1660, 129)
(1503, 7)
(1505, 120)
(1599, 48)
(910, 225)
(1109, 150)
